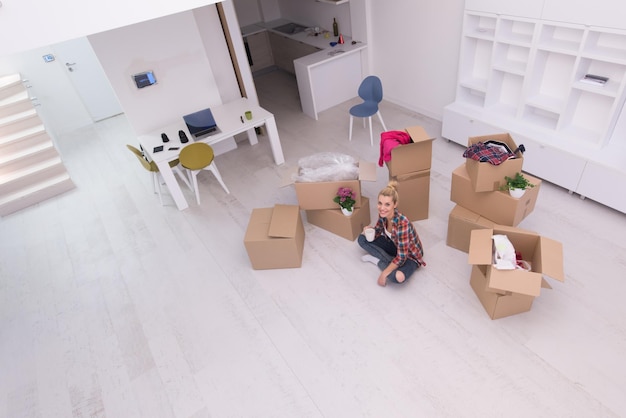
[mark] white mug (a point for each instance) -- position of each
(370, 233)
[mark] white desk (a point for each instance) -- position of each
(228, 118)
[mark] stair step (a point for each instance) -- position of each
(18, 122)
(26, 156)
(10, 85)
(23, 135)
(15, 104)
(9, 80)
(30, 173)
(36, 193)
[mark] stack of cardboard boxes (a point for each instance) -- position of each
(317, 201)
(275, 236)
(410, 166)
(481, 211)
(479, 201)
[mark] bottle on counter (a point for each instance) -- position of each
(335, 27)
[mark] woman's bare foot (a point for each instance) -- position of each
(382, 280)
(400, 276)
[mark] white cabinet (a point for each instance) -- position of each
(319, 86)
(552, 164)
(526, 75)
(603, 184)
(460, 125)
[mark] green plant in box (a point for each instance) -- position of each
(516, 182)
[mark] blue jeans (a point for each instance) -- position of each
(385, 251)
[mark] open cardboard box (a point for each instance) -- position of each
(486, 177)
(544, 255)
(333, 220)
(275, 237)
(497, 304)
(497, 206)
(320, 195)
(412, 157)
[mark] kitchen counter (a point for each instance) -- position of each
(306, 37)
(251, 30)
(325, 78)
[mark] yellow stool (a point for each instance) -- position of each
(154, 169)
(196, 157)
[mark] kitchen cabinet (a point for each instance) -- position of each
(526, 75)
(329, 77)
(258, 46)
(286, 50)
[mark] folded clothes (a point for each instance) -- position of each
(487, 153)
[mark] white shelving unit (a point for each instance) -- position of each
(522, 75)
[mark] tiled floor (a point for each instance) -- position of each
(114, 306)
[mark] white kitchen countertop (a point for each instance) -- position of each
(306, 37)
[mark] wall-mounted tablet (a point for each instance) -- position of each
(144, 79)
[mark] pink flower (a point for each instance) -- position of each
(345, 198)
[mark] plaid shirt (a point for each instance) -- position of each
(405, 238)
(486, 154)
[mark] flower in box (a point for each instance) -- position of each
(345, 198)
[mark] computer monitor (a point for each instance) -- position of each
(200, 123)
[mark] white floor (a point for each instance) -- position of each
(112, 305)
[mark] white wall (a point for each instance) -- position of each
(30, 24)
(173, 48)
(58, 104)
(414, 49)
(216, 51)
(313, 13)
(248, 12)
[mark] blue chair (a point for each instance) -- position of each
(371, 91)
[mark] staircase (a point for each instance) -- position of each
(31, 169)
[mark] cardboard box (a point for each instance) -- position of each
(497, 206)
(416, 156)
(544, 255)
(320, 195)
(461, 223)
(414, 194)
(348, 227)
(497, 305)
(275, 237)
(487, 177)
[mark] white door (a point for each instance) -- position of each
(88, 77)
